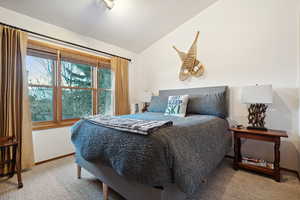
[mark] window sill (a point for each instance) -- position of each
(51, 125)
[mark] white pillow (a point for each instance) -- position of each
(177, 105)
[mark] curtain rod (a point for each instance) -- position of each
(63, 41)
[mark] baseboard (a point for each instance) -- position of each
(292, 171)
(227, 156)
(56, 158)
(282, 168)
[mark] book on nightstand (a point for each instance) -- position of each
(257, 162)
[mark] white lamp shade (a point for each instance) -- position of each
(257, 94)
(146, 96)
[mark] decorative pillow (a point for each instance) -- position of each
(158, 104)
(208, 104)
(177, 105)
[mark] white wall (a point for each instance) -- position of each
(241, 43)
(56, 142)
(52, 143)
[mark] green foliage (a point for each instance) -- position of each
(41, 103)
(105, 102)
(76, 103)
(105, 94)
(40, 71)
(104, 78)
(76, 75)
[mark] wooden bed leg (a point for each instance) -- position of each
(105, 191)
(78, 171)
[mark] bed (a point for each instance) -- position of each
(171, 163)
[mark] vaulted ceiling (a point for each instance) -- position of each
(131, 24)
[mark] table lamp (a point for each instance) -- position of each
(258, 98)
(146, 98)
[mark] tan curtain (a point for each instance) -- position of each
(15, 115)
(120, 68)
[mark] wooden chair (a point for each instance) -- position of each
(9, 152)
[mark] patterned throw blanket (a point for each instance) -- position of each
(143, 127)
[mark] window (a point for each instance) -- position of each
(104, 91)
(41, 79)
(76, 90)
(65, 85)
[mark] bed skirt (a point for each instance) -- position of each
(127, 189)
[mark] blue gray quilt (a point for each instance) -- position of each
(184, 154)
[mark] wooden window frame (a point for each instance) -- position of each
(57, 86)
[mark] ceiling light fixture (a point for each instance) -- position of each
(109, 3)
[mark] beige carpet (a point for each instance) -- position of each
(57, 181)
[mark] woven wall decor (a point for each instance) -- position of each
(190, 65)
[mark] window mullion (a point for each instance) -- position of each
(95, 90)
(54, 85)
(99, 89)
(41, 85)
(76, 88)
(58, 88)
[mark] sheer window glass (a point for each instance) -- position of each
(76, 80)
(40, 78)
(105, 98)
(76, 103)
(76, 75)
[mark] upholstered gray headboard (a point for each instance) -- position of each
(205, 100)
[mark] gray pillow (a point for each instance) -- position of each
(158, 104)
(208, 104)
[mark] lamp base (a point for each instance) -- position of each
(256, 117)
(257, 128)
(145, 107)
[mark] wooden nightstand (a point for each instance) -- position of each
(273, 136)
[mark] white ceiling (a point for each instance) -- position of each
(131, 24)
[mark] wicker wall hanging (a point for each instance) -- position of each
(190, 65)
